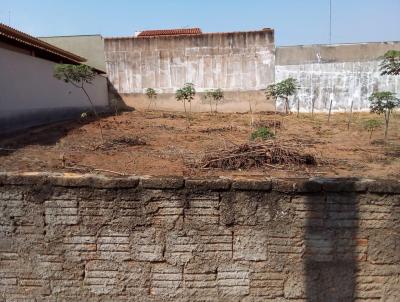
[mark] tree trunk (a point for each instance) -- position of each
(387, 116)
(298, 106)
(95, 113)
(287, 109)
(184, 106)
(275, 119)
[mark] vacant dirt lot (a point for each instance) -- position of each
(159, 143)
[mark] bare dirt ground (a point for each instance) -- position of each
(159, 143)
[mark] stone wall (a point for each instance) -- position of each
(343, 73)
(241, 63)
(90, 238)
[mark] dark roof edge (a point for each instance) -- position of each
(31, 41)
(67, 36)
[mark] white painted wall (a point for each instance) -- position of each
(28, 89)
(344, 82)
(345, 73)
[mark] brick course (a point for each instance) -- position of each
(91, 238)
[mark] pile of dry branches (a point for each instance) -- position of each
(263, 154)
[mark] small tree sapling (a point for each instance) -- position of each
(214, 96)
(283, 90)
(383, 102)
(152, 96)
(208, 97)
(186, 95)
(78, 76)
(217, 95)
(371, 125)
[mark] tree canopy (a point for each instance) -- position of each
(391, 63)
(74, 74)
(283, 89)
(382, 101)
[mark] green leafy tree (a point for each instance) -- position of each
(283, 90)
(384, 102)
(186, 95)
(152, 96)
(371, 125)
(214, 95)
(391, 63)
(78, 76)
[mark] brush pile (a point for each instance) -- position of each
(252, 155)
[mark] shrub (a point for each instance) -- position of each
(371, 125)
(262, 133)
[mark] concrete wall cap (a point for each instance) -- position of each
(208, 184)
(289, 185)
(252, 184)
(162, 182)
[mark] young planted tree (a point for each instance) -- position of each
(78, 76)
(186, 95)
(371, 125)
(208, 97)
(390, 64)
(218, 96)
(283, 90)
(152, 96)
(214, 96)
(384, 102)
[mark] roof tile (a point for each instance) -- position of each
(170, 32)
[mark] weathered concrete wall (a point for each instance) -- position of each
(344, 73)
(90, 47)
(30, 95)
(241, 63)
(87, 238)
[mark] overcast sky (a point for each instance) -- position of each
(294, 21)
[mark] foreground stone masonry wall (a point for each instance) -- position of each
(90, 238)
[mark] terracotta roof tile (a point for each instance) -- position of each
(170, 32)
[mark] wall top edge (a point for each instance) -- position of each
(287, 185)
(266, 31)
(336, 44)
